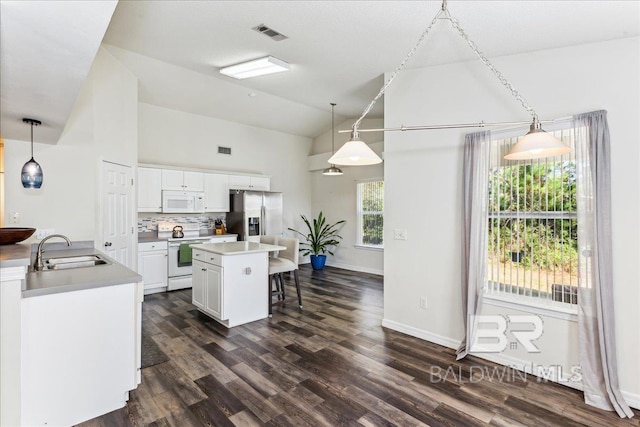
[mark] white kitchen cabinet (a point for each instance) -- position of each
(80, 353)
(199, 278)
(152, 266)
(231, 289)
(207, 290)
(149, 189)
(182, 180)
(216, 192)
(247, 182)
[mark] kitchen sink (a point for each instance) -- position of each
(64, 263)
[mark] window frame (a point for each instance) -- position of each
(360, 213)
(532, 304)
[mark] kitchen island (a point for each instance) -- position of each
(70, 337)
(231, 281)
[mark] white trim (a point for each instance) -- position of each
(369, 247)
(530, 306)
(420, 333)
(356, 268)
(13, 273)
(633, 400)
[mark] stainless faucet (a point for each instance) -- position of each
(37, 264)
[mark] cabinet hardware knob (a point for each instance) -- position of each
(247, 270)
(106, 244)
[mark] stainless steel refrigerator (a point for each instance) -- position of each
(254, 213)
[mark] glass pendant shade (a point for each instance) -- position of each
(537, 144)
(31, 171)
(355, 153)
(32, 174)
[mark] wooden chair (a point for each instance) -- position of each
(285, 261)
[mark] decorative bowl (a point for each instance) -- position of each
(11, 235)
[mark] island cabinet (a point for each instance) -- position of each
(230, 281)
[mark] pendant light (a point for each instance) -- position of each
(332, 170)
(31, 171)
(537, 143)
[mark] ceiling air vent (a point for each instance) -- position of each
(224, 150)
(272, 34)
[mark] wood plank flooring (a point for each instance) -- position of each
(329, 364)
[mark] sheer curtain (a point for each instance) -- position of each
(596, 325)
(474, 231)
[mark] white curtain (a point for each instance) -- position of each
(595, 293)
(474, 231)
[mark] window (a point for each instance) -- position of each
(533, 225)
(370, 213)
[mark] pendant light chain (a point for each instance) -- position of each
(333, 129)
(444, 13)
(489, 65)
(396, 71)
(32, 140)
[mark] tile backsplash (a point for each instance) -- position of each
(149, 222)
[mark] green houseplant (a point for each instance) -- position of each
(320, 237)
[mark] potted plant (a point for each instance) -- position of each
(319, 238)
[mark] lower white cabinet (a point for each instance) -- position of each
(207, 288)
(152, 266)
(80, 353)
(231, 289)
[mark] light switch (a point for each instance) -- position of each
(399, 234)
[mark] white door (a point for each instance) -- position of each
(172, 180)
(117, 213)
(193, 181)
(214, 291)
(149, 190)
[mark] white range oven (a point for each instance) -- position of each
(179, 259)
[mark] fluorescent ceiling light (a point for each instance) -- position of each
(257, 67)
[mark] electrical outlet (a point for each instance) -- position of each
(423, 303)
(41, 233)
(399, 234)
(15, 218)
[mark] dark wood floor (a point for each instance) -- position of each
(329, 364)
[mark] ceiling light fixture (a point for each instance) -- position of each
(537, 143)
(332, 170)
(31, 171)
(255, 68)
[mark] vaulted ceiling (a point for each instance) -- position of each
(338, 50)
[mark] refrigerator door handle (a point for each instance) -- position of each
(263, 222)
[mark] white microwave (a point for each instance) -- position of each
(182, 201)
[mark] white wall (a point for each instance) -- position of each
(336, 196)
(423, 184)
(176, 138)
(102, 126)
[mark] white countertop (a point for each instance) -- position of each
(237, 248)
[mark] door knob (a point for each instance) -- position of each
(107, 244)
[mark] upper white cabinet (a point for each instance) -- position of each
(182, 180)
(216, 192)
(245, 182)
(149, 190)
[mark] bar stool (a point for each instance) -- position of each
(285, 261)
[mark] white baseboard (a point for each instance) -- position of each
(356, 268)
(633, 400)
(422, 334)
